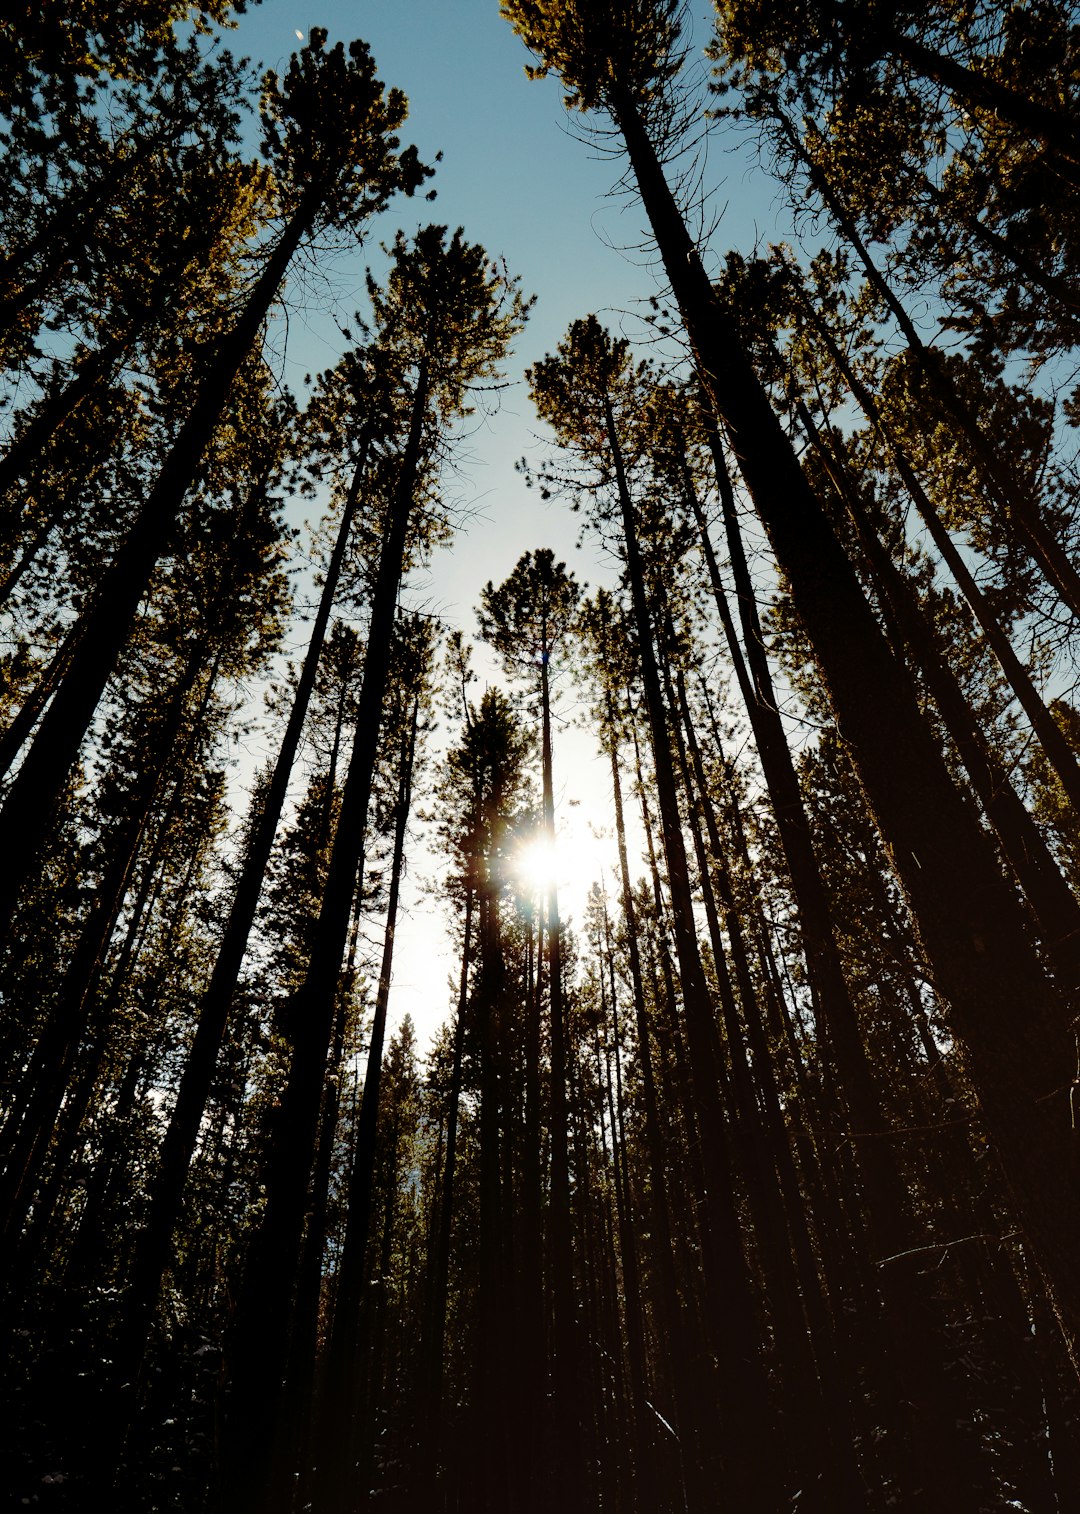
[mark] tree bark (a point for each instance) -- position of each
(748, 1417)
(28, 810)
(259, 1346)
(153, 1245)
(970, 923)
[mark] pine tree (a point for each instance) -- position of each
(329, 132)
(450, 317)
(970, 921)
(527, 620)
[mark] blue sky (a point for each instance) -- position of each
(518, 179)
(519, 182)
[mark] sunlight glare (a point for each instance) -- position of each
(575, 862)
(537, 865)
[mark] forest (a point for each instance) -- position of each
(754, 1186)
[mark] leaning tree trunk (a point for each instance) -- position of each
(970, 922)
(997, 477)
(28, 1131)
(1023, 845)
(259, 1347)
(1056, 128)
(1059, 753)
(748, 1414)
(28, 810)
(153, 1247)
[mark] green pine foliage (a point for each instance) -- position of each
(752, 1187)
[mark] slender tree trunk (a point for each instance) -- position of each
(293, 1477)
(925, 1399)
(339, 1433)
(489, 1429)
(838, 1477)
(63, 233)
(983, 92)
(530, 1352)
(969, 921)
(1038, 278)
(22, 455)
(748, 1421)
(18, 731)
(293, 1473)
(834, 1011)
(1059, 753)
(673, 1326)
(40, 1237)
(440, 1292)
(153, 1246)
(260, 1340)
(1022, 842)
(28, 810)
(567, 1363)
(28, 1132)
(991, 460)
(650, 1491)
(805, 1410)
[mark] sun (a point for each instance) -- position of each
(571, 864)
(537, 865)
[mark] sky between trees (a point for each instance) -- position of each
(760, 1174)
(516, 176)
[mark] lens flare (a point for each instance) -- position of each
(537, 865)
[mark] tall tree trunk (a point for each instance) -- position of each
(29, 1128)
(674, 1329)
(64, 233)
(28, 810)
(916, 1364)
(970, 922)
(1022, 843)
(153, 1246)
(18, 732)
(260, 1339)
(1059, 753)
(339, 1433)
(804, 1408)
(991, 460)
(292, 1453)
(21, 456)
(747, 1413)
(982, 91)
(40, 1237)
(569, 1473)
(650, 1489)
(839, 1480)
(435, 1372)
(1030, 272)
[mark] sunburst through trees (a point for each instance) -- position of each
(743, 1171)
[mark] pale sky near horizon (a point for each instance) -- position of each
(516, 177)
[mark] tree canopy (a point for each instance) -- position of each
(741, 1167)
